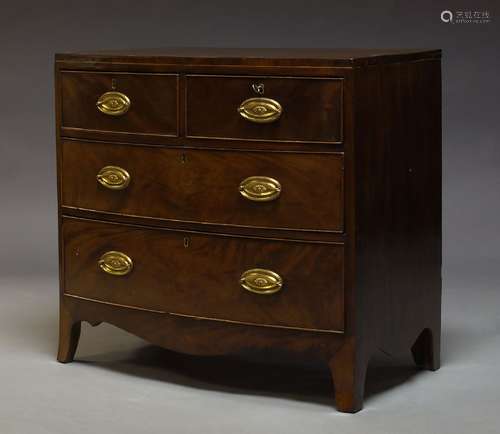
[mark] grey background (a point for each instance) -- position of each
(138, 385)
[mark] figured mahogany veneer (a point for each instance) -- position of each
(153, 103)
(312, 108)
(198, 275)
(202, 186)
(222, 201)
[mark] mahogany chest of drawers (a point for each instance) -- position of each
(217, 201)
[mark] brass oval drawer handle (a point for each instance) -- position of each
(113, 177)
(260, 110)
(113, 103)
(261, 281)
(115, 263)
(260, 188)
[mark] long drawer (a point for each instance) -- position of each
(253, 189)
(228, 278)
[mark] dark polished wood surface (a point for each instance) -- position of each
(199, 275)
(312, 108)
(153, 109)
(356, 232)
(251, 56)
(202, 186)
(197, 337)
(397, 297)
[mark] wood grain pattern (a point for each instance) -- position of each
(389, 253)
(396, 302)
(196, 274)
(153, 109)
(202, 186)
(312, 108)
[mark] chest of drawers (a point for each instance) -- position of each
(220, 201)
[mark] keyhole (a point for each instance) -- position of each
(183, 158)
(258, 88)
(186, 242)
(113, 83)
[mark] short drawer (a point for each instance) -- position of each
(277, 190)
(248, 280)
(264, 108)
(125, 103)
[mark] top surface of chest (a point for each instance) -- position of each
(253, 56)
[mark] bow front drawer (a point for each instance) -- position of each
(119, 103)
(264, 108)
(240, 279)
(280, 190)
